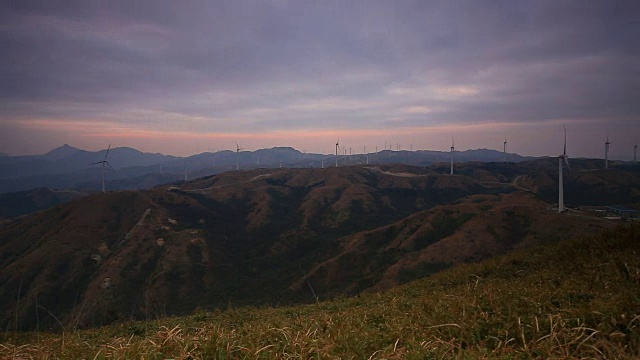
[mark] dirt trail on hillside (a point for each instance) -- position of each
(213, 187)
(402, 174)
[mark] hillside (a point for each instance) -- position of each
(575, 298)
(262, 237)
(26, 202)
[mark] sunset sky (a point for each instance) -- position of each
(186, 77)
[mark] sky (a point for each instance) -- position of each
(184, 77)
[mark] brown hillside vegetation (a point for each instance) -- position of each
(576, 298)
(266, 236)
(26, 202)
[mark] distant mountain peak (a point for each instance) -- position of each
(61, 152)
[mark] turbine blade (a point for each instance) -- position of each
(107, 153)
(95, 163)
(566, 161)
(565, 142)
(109, 165)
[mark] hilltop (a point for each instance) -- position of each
(277, 237)
(574, 298)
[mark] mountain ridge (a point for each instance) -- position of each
(264, 236)
(67, 167)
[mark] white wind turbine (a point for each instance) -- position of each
(606, 152)
(504, 150)
(562, 159)
(104, 163)
(452, 150)
(238, 148)
(337, 147)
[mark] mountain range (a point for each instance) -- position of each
(68, 168)
(280, 236)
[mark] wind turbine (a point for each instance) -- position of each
(104, 163)
(186, 171)
(452, 150)
(504, 150)
(366, 154)
(337, 147)
(238, 148)
(562, 159)
(606, 153)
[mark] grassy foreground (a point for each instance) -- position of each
(579, 298)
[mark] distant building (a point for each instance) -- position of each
(624, 212)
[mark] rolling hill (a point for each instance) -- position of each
(574, 298)
(276, 236)
(27, 202)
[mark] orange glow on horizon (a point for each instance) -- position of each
(530, 138)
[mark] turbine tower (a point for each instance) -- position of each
(606, 153)
(238, 148)
(504, 150)
(635, 149)
(104, 163)
(452, 150)
(337, 147)
(562, 159)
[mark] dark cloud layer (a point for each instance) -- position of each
(281, 64)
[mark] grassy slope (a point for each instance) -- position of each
(576, 298)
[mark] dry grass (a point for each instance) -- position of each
(575, 299)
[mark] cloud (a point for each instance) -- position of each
(256, 66)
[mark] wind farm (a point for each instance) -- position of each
(319, 180)
(245, 210)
